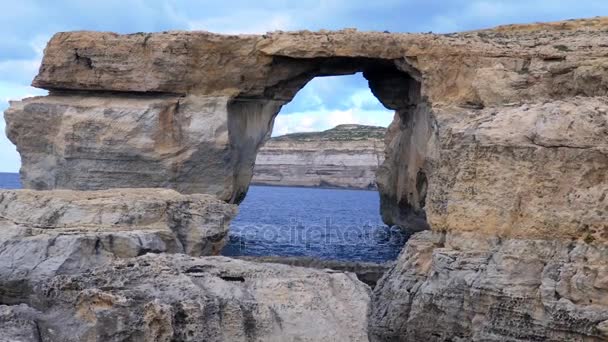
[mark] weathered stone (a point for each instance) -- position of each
(98, 141)
(499, 145)
(49, 232)
(346, 156)
(70, 271)
(460, 287)
(249, 65)
(180, 298)
(442, 87)
(536, 171)
(367, 272)
(18, 324)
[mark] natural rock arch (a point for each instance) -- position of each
(187, 110)
(394, 84)
(502, 139)
(200, 139)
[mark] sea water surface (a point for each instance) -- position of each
(331, 224)
(288, 221)
(9, 181)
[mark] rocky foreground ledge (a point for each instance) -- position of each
(65, 229)
(112, 266)
(367, 272)
(180, 298)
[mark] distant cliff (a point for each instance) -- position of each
(346, 156)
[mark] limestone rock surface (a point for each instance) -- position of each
(44, 233)
(367, 272)
(460, 287)
(111, 265)
(486, 66)
(18, 324)
(180, 298)
(189, 110)
(499, 146)
(131, 141)
(346, 156)
(535, 170)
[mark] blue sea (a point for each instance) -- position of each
(9, 181)
(322, 223)
(289, 221)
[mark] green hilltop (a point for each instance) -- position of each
(347, 132)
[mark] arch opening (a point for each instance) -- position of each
(402, 178)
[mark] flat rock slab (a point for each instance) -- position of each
(367, 272)
(49, 232)
(181, 298)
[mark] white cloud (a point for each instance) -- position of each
(480, 14)
(22, 71)
(14, 92)
(22, 96)
(362, 98)
(251, 23)
(313, 110)
(19, 70)
(39, 43)
(444, 24)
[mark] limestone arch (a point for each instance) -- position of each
(194, 107)
(395, 83)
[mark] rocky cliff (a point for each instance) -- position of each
(499, 146)
(346, 156)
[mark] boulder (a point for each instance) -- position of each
(130, 141)
(58, 232)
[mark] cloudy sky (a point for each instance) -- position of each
(26, 26)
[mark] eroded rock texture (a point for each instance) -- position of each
(101, 141)
(44, 233)
(188, 110)
(112, 266)
(180, 298)
(499, 143)
(346, 156)
(367, 272)
(18, 323)
(460, 287)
